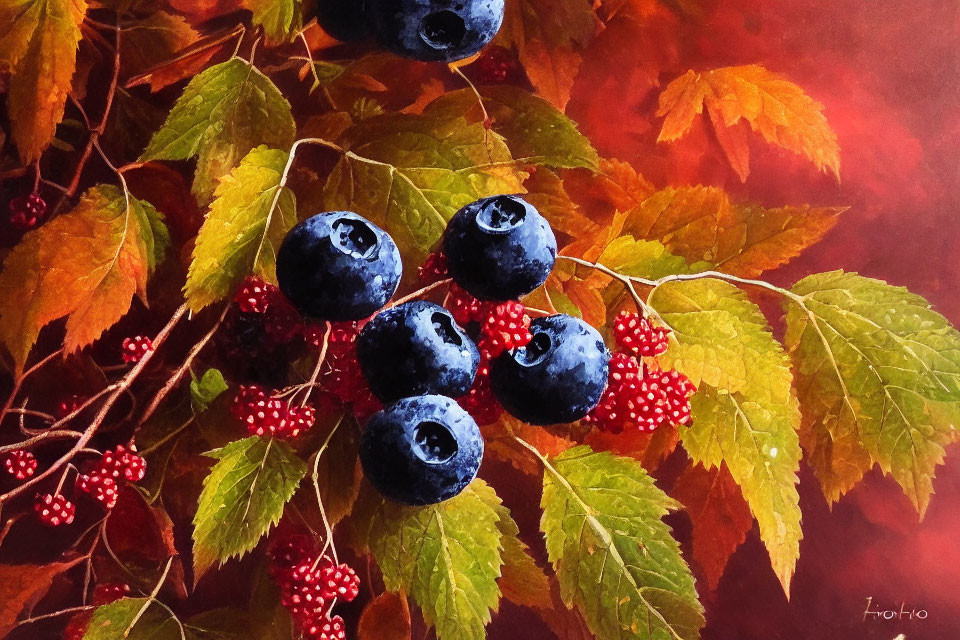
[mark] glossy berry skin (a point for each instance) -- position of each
(345, 20)
(123, 463)
(499, 248)
(101, 488)
(54, 510)
(134, 349)
(415, 349)
(338, 266)
(21, 464)
(435, 30)
(421, 450)
(558, 377)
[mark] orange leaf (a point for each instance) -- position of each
(429, 91)
(651, 449)
(86, 264)
(700, 223)
(617, 187)
(186, 63)
(153, 40)
(39, 48)
(23, 585)
(773, 106)
(386, 618)
(721, 518)
(500, 442)
(548, 36)
(545, 191)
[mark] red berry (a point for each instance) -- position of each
(495, 65)
(326, 628)
(255, 295)
(244, 400)
(123, 463)
(339, 581)
(480, 402)
(27, 211)
(54, 510)
(266, 417)
(301, 592)
(135, 348)
(289, 552)
(77, 627)
(101, 488)
(299, 420)
(69, 405)
(110, 592)
(21, 464)
(342, 336)
(506, 327)
(679, 390)
(465, 308)
(638, 336)
(281, 322)
(434, 269)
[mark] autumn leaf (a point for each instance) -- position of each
(773, 106)
(500, 442)
(222, 115)
(522, 581)
(281, 19)
(153, 39)
(447, 556)
(242, 498)
(702, 224)
(186, 62)
(615, 188)
(38, 46)
(721, 519)
(643, 259)
(547, 192)
(242, 232)
(878, 375)
(549, 36)
(86, 265)
(133, 619)
(23, 585)
(614, 556)
(650, 449)
(745, 413)
(410, 174)
(386, 618)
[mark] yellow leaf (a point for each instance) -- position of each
(773, 106)
(39, 48)
(86, 264)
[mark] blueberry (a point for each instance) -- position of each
(345, 20)
(421, 450)
(435, 30)
(499, 248)
(416, 348)
(338, 266)
(558, 377)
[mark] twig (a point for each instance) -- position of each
(118, 390)
(150, 600)
(419, 293)
(316, 370)
(46, 435)
(56, 614)
(328, 543)
(18, 382)
(174, 380)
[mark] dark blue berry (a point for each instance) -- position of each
(421, 450)
(435, 30)
(345, 20)
(414, 349)
(499, 248)
(338, 266)
(558, 377)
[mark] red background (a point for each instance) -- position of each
(888, 73)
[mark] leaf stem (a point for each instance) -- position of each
(328, 543)
(150, 599)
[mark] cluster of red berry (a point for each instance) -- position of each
(639, 394)
(341, 370)
(133, 349)
(101, 483)
(103, 594)
(27, 211)
(267, 415)
(497, 327)
(310, 586)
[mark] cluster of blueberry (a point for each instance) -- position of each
(418, 357)
(427, 30)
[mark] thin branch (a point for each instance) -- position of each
(56, 614)
(18, 382)
(174, 380)
(150, 600)
(328, 543)
(316, 370)
(42, 437)
(118, 390)
(419, 293)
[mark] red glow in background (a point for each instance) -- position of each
(888, 73)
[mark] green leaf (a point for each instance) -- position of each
(86, 265)
(410, 174)
(614, 556)
(281, 19)
(745, 412)
(116, 621)
(242, 498)
(534, 129)
(447, 556)
(243, 230)
(224, 112)
(522, 581)
(642, 258)
(878, 373)
(206, 389)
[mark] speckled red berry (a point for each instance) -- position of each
(123, 463)
(434, 269)
(506, 327)
(326, 629)
(480, 402)
(495, 65)
(101, 488)
(638, 336)
(134, 349)
(299, 420)
(246, 396)
(69, 405)
(266, 417)
(54, 510)
(255, 295)
(465, 308)
(288, 552)
(339, 581)
(26, 212)
(21, 464)
(301, 592)
(110, 592)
